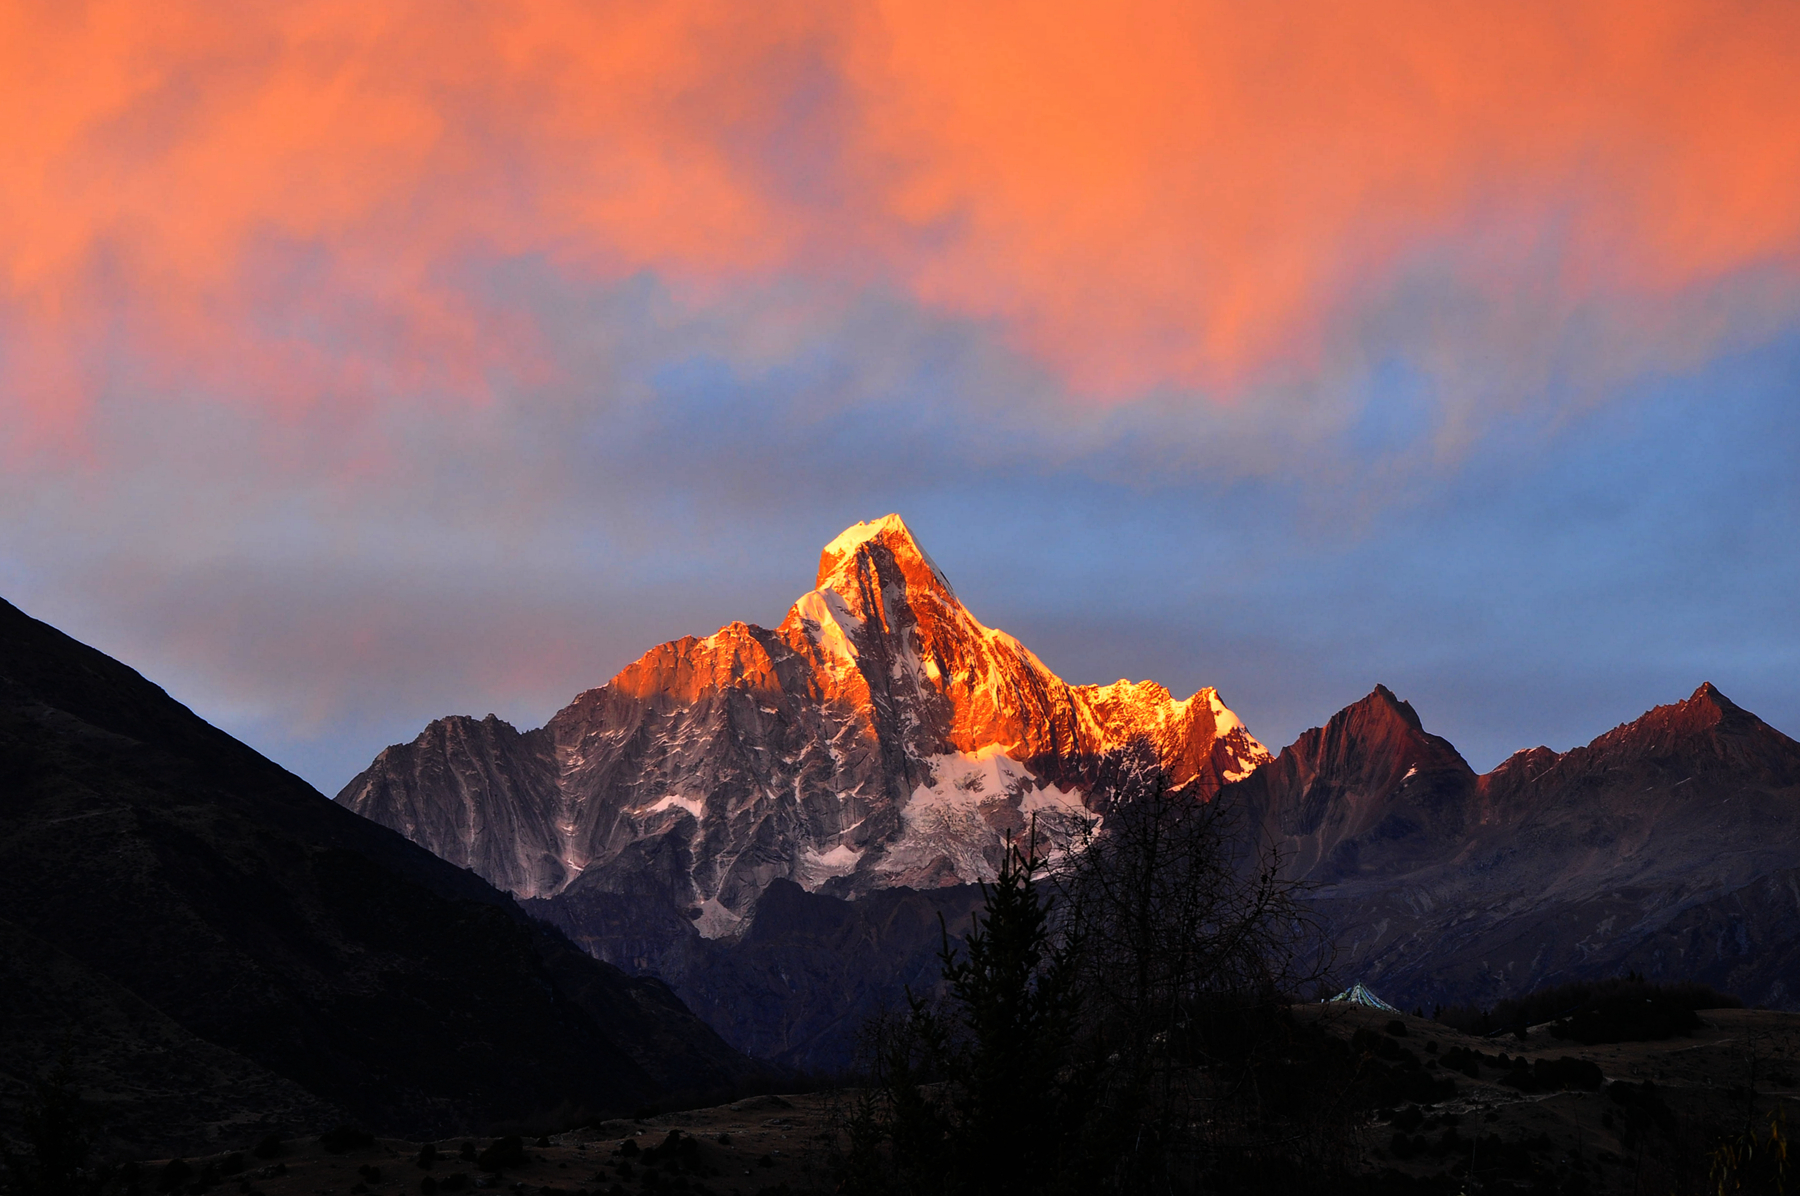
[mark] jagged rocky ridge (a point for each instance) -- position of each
(879, 737)
(1670, 845)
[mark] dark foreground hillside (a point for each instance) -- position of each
(214, 949)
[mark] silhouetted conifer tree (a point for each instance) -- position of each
(983, 1091)
(1119, 1026)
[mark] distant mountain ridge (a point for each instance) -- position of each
(1669, 845)
(879, 737)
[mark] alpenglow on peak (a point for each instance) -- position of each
(838, 559)
(880, 736)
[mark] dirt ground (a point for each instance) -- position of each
(1489, 1137)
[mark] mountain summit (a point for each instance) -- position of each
(880, 736)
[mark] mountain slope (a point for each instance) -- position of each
(1668, 845)
(1370, 790)
(879, 737)
(215, 913)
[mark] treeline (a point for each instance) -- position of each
(1625, 1008)
(1121, 1023)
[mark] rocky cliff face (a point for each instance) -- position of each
(1667, 845)
(879, 737)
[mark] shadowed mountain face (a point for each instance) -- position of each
(219, 950)
(880, 737)
(1669, 845)
(799, 984)
(1369, 791)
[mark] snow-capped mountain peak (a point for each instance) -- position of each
(881, 735)
(848, 560)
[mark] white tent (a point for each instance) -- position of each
(1356, 994)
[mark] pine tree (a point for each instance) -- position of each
(1014, 1005)
(982, 1092)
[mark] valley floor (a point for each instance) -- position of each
(1652, 1134)
(761, 1145)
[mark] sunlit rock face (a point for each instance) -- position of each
(881, 736)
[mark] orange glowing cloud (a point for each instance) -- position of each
(276, 200)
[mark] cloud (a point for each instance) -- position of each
(1206, 202)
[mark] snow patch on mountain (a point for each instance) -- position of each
(1225, 721)
(839, 556)
(831, 625)
(857, 534)
(955, 827)
(676, 801)
(813, 867)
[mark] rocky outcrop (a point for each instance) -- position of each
(879, 737)
(478, 794)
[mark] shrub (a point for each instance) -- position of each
(1123, 1025)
